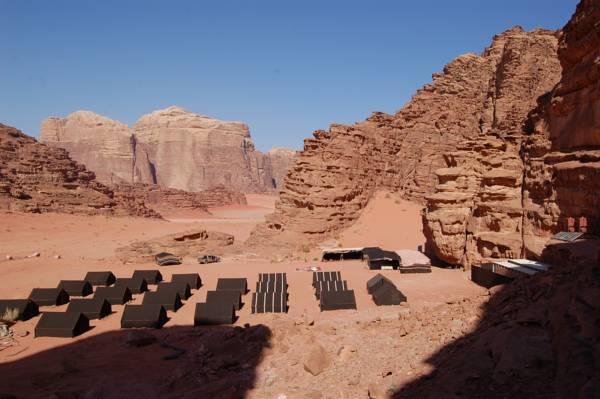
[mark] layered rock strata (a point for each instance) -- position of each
(479, 101)
(168, 199)
(172, 148)
(553, 178)
(189, 243)
(38, 178)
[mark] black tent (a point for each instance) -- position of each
(63, 324)
(49, 296)
(375, 282)
(114, 295)
(137, 285)
(151, 276)
(232, 297)
(76, 287)
(236, 284)
(18, 309)
(169, 299)
(192, 279)
(145, 315)
(334, 300)
(388, 294)
(336, 254)
(377, 258)
(325, 276)
(264, 302)
(95, 308)
(100, 278)
(182, 288)
(336, 285)
(214, 313)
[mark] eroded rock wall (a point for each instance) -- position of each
(38, 178)
(479, 101)
(562, 150)
(172, 148)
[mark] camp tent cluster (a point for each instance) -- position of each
(406, 261)
(332, 292)
(222, 303)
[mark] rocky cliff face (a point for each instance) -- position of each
(478, 102)
(165, 200)
(38, 178)
(562, 150)
(172, 148)
(103, 145)
(281, 160)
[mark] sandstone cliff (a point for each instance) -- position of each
(38, 178)
(562, 152)
(172, 148)
(477, 103)
(281, 160)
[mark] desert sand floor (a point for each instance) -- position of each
(88, 243)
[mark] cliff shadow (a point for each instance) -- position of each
(175, 362)
(537, 338)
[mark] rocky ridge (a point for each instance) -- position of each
(479, 101)
(172, 148)
(38, 178)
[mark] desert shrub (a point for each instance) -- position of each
(10, 315)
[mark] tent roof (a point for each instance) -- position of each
(342, 250)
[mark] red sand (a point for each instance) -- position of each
(88, 243)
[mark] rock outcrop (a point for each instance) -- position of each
(104, 146)
(189, 243)
(172, 148)
(165, 200)
(562, 152)
(37, 178)
(546, 176)
(478, 103)
(281, 160)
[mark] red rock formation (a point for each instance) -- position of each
(281, 160)
(562, 152)
(479, 101)
(38, 178)
(164, 200)
(172, 148)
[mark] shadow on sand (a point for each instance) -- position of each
(539, 337)
(183, 362)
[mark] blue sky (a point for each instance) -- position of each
(284, 67)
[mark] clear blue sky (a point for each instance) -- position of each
(284, 67)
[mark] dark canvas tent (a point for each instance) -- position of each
(114, 295)
(94, 308)
(377, 258)
(226, 296)
(263, 302)
(271, 282)
(151, 276)
(100, 278)
(375, 282)
(335, 254)
(145, 315)
(76, 287)
(49, 296)
(183, 289)
(236, 284)
(336, 285)
(169, 299)
(63, 324)
(192, 279)
(214, 313)
(137, 285)
(18, 309)
(388, 294)
(325, 276)
(334, 300)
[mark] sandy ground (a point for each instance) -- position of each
(88, 243)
